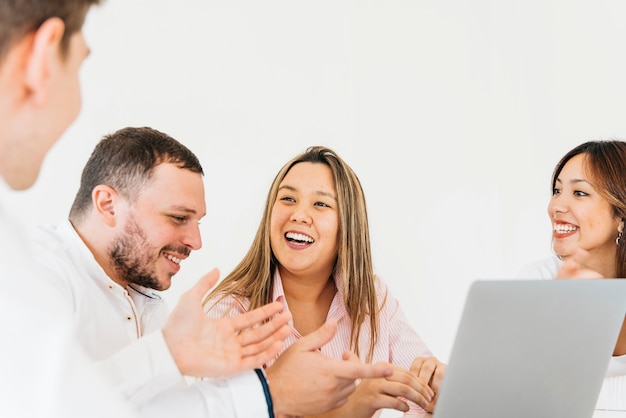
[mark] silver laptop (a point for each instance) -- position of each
(532, 348)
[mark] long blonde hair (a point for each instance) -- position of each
(252, 278)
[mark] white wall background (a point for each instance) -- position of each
(452, 112)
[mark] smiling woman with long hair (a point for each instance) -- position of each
(587, 212)
(312, 252)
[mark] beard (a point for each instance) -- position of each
(133, 257)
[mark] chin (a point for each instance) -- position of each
(164, 285)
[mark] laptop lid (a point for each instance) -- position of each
(532, 348)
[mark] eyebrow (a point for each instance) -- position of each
(319, 192)
(185, 210)
(575, 181)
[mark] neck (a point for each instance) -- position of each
(309, 300)
(603, 264)
(307, 289)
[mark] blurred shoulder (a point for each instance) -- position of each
(540, 269)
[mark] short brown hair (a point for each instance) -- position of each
(20, 17)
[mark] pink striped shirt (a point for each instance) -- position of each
(398, 343)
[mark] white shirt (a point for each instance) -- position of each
(120, 329)
(43, 370)
(613, 392)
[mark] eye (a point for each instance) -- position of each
(322, 204)
(179, 219)
(556, 190)
(580, 193)
(287, 199)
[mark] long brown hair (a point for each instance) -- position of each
(605, 161)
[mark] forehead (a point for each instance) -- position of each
(174, 187)
(575, 167)
(311, 176)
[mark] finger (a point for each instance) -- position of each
(427, 369)
(416, 391)
(319, 337)
(355, 370)
(262, 357)
(409, 381)
(202, 286)
(391, 402)
(267, 330)
(384, 397)
(438, 377)
(416, 365)
(567, 270)
(256, 316)
(278, 337)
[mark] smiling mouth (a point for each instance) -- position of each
(564, 228)
(299, 238)
(173, 259)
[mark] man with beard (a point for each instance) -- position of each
(133, 221)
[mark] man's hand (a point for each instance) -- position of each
(304, 382)
(207, 347)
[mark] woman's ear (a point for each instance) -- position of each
(44, 52)
(104, 199)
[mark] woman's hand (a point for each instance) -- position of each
(431, 371)
(390, 392)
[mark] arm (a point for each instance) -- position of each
(193, 344)
(238, 396)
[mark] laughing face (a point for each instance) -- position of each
(581, 217)
(160, 229)
(305, 222)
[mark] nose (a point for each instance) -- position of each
(300, 215)
(558, 204)
(192, 237)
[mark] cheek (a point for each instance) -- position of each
(274, 229)
(329, 227)
(278, 218)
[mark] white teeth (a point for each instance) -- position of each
(299, 237)
(564, 228)
(174, 259)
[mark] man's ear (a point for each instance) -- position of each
(104, 199)
(44, 52)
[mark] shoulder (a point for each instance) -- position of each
(387, 302)
(540, 269)
(51, 248)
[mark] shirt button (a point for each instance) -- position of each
(129, 318)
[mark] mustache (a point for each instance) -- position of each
(176, 249)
